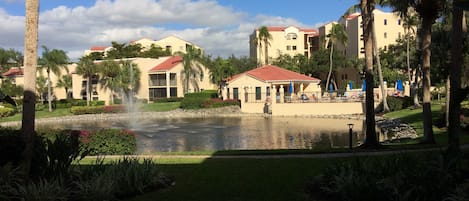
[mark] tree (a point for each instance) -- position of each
(66, 83)
(457, 95)
(29, 97)
(87, 68)
(380, 71)
(336, 35)
(41, 86)
(191, 60)
(110, 71)
(128, 80)
(220, 69)
(155, 52)
(367, 7)
(54, 61)
(263, 38)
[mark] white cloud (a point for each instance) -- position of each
(220, 30)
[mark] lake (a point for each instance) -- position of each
(234, 133)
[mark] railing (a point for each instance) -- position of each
(303, 98)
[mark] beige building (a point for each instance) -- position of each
(160, 78)
(268, 82)
(388, 27)
(172, 43)
(289, 40)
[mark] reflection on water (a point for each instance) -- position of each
(195, 134)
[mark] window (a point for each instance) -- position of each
(385, 22)
(288, 47)
(173, 92)
(235, 94)
(157, 93)
(294, 47)
(157, 80)
(291, 36)
(385, 35)
(399, 22)
(385, 48)
(258, 93)
(267, 91)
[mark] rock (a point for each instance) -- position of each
(396, 129)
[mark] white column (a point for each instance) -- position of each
(282, 94)
(168, 85)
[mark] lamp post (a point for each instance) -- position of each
(350, 132)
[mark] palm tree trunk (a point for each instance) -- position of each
(454, 129)
(371, 140)
(266, 44)
(409, 76)
(88, 94)
(330, 67)
(29, 100)
(426, 52)
(380, 72)
(49, 83)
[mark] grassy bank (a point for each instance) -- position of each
(151, 107)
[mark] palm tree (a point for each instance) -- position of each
(456, 93)
(87, 68)
(264, 37)
(367, 7)
(29, 98)
(191, 60)
(380, 72)
(53, 60)
(336, 35)
(128, 79)
(66, 83)
(110, 70)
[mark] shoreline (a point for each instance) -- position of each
(230, 111)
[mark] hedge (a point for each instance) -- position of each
(109, 142)
(79, 110)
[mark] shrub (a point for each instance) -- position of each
(197, 100)
(6, 112)
(426, 176)
(109, 142)
(79, 110)
(11, 146)
(115, 108)
(216, 102)
(396, 103)
(166, 100)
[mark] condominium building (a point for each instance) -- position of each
(172, 43)
(388, 28)
(289, 40)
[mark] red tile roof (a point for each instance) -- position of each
(353, 16)
(307, 30)
(13, 72)
(98, 48)
(167, 64)
(274, 73)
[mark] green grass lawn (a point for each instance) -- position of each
(151, 107)
(237, 179)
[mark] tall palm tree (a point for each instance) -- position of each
(110, 71)
(87, 68)
(367, 7)
(380, 72)
(456, 96)
(191, 60)
(66, 83)
(128, 79)
(54, 61)
(409, 24)
(264, 37)
(337, 35)
(29, 98)
(428, 11)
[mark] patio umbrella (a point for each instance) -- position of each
(400, 86)
(290, 88)
(350, 85)
(331, 88)
(364, 85)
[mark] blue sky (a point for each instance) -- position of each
(76, 25)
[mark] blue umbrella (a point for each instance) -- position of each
(400, 86)
(364, 85)
(331, 88)
(350, 85)
(291, 88)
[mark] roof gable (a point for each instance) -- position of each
(13, 72)
(168, 64)
(275, 73)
